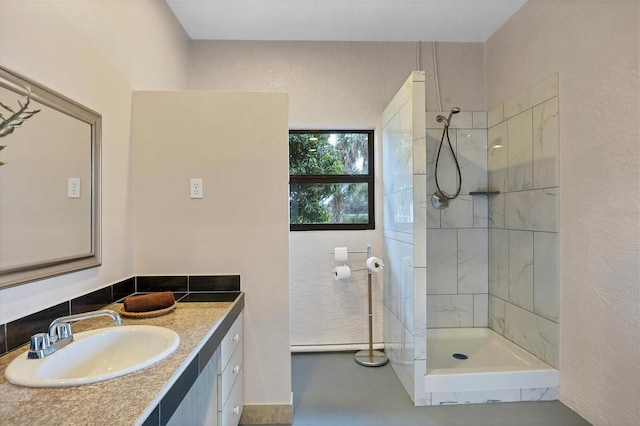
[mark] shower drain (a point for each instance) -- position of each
(459, 356)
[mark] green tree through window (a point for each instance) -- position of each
(331, 181)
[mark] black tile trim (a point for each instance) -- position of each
(92, 301)
(214, 283)
(207, 288)
(170, 402)
(154, 418)
(162, 283)
(3, 339)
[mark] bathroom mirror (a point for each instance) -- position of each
(49, 185)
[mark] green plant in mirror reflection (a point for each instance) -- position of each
(16, 119)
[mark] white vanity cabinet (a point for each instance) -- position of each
(215, 398)
(230, 400)
(200, 404)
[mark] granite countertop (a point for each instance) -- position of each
(119, 401)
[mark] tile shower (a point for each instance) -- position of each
(487, 260)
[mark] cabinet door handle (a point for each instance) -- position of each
(236, 337)
(236, 369)
(236, 409)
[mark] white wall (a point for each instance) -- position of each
(237, 144)
(95, 53)
(594, 47)
(333, 85)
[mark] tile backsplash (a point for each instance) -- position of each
(187, 288)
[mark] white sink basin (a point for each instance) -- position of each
(95, 356)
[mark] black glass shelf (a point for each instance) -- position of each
(484, 192)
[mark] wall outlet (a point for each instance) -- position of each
(196, 188)
(73, 188)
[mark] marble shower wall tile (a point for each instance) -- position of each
(545, 144)
(393, 338)
(420, 311)
(496, 211)
(480, 211)
(496, 314)
(499, 263)
(497, 160)
(521, 268)
(461, 120)
(459, 214)
(450, 310)
(407, 301)
(546, 209)
(442, 252)
(472, 261)
(535, 210)
(480, 310)
(520, 152)
(480, 120)
(540, 394)
(536, 334)
(420, 221)
(433, 214)
(546, 283)
(398, 273)
(472, 158)
(408, 348)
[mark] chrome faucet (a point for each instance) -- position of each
(60, 335)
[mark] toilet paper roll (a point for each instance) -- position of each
(341, 254)
(341, 272)
(374, 264)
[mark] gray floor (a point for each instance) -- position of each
(331, 389)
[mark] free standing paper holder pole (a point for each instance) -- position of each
(370, 358)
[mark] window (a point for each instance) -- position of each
(331, 180)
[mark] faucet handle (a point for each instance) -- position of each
(63, 331)
(40, 342)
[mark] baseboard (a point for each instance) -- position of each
(265, 414)
(335, 348)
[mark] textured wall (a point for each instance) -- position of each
(337, 85)
(76, 49)
(593, 46)
(236, 143)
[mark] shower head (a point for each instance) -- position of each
(454, 110)
(447, 120)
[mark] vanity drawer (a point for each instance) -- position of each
(230, 414)
(230, 342)
(229, 376)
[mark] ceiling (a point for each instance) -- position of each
(343, 20)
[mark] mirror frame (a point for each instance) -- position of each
(39, 270)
